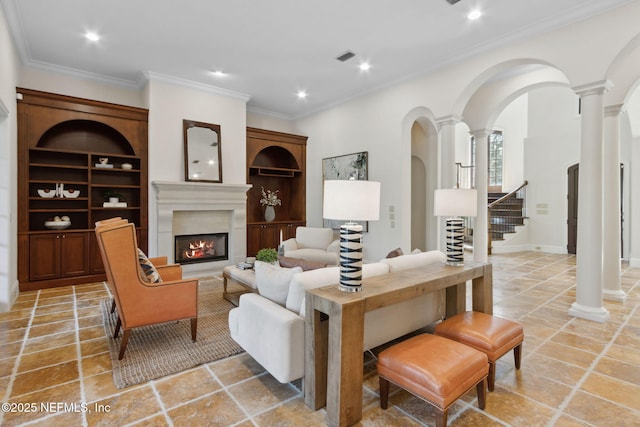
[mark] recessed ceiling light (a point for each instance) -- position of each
(474, 14)
(219, 73)
(301, 94)
(365, 66)
(91, 36)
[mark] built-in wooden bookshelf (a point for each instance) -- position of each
(61, 140)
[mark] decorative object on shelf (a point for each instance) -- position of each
(270, 200)
(103, 162)
(71, 193)
(269, 255)
(127, 166)
(47, 194)
(202, 151)
(348, 200)
(269, 213)
(348, 166)
(58, 223)
(455, 203)
(114, 200)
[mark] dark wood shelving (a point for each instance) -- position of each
(61, 138)
(275, 161)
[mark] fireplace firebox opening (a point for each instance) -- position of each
(195, 248)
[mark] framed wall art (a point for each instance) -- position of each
(347, 166)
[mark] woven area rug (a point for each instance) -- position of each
(159, 350)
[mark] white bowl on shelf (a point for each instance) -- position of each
(46, 193)
(71, 194)
(127, 166)
(57, 225)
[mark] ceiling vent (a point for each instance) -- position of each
(346, 56)
(452, 2)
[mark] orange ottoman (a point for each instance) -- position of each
(435, 369)
(492, 335)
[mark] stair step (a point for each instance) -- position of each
(507, 220)
(506, 212)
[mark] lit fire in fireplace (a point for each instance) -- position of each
(200, 248)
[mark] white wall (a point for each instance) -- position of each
(168, 105)
(8, 169)
(513, 124)
(270, 122)
(90, 89)
(552, 146)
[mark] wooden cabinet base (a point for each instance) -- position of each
(55, 283)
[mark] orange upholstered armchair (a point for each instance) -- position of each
(139, 302)
(167, 272)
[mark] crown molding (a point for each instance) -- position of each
(269, 113)
(151, 75)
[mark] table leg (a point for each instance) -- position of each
(344, 370)
(316, 354)
(456, 297)
(482, 289)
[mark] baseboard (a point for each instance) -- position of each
(634, 262)
(529, 247)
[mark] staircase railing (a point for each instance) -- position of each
(506, 222)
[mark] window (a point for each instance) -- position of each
(495, 159)
(496, 142)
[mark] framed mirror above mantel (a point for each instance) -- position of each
(202, 151)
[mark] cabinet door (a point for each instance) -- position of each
(270, 236)
(74, 254)
(253, 239)
(95, 257)
(291, 229)
(44, 256)
(261, 236)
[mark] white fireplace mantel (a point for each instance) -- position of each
(199, 196)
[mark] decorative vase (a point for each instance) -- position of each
(269, 213)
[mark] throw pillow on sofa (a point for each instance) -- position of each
(273, 281)
(149, 272)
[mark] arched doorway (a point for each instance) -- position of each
(572, 208)
(424, 225)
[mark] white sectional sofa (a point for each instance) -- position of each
(273, 334)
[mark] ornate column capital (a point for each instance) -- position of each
(480, 133)
(613, 110)
(594, 88)
(452, 119)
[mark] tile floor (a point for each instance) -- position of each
(574, 372)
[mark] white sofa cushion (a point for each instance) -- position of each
(413, 260)
(273, 281)
(314, 238)
(322, 277)
(314, 255)
(272, 335)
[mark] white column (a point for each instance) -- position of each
(611, 236)
(447, 164)
(588, 303)
(481, 171)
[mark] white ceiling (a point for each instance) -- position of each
(271, 49)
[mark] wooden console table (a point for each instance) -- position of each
(334, 328)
